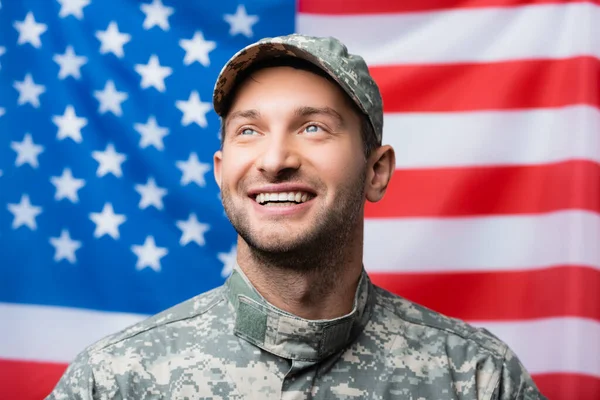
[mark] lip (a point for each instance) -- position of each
(294, 209)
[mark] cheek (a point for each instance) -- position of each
(234, 166)
(336, 167)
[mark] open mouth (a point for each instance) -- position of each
(282, 199)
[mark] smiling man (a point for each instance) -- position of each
(299, 318)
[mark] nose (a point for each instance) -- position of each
(279, 156)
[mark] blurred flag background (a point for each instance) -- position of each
(109, 211)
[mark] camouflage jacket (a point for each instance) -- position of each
(230, 343)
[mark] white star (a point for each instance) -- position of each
(149, 255)
(241, 22)
(152, 134)
(24, 213)
(228, 260)
(110, 99)
(107, 222)
(109, 161)
(67, 186)
(157, 14)
(70, 63)
(153, 74)
(69, 124)
(72, 7)
(192, 230)
(2, 51)
(151, 194)
(65, 247)
(29, 92)
(2, 111)
(197, 49)
(193, 110)
(27, 151)
(113, 40)
(30, 31)
(193, 170)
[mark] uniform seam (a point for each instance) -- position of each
(210, 306)
(495, 381)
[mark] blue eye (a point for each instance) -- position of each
(247, 131)
(312, 128)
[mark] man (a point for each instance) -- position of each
(298, 318)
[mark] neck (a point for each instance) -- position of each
(323, 288)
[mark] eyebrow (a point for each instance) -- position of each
(304, 111)
(308, 111)
(247, 114)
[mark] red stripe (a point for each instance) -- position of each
(348, 7)
(550, 292)
(568, 386)
(468, 191)
(26, 380)
(489, 86)
(33, 381)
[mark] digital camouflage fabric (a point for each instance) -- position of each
(349, 70)
(230, 343)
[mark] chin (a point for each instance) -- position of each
(276, 240)
(274, 243)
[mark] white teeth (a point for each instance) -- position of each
(298, 197)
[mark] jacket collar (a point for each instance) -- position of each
(290, 336)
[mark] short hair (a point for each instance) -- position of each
(367, 132)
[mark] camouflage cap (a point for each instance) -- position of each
(349, 70)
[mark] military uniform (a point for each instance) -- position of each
(230, 343)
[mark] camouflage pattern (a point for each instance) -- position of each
(349, 70)
(230, 343)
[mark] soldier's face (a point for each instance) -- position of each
(292, 169)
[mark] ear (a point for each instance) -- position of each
(381, 165)
(217, 159)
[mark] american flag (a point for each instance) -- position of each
(109, 211)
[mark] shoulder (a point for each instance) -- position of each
(194, 309)
(95, 369)
(415, 317)
(418, 330)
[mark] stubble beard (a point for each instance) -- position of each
(319, 249)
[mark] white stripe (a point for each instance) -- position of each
(54, 334)
(483, 243)
(567, 345)
(487, 34)
(424, 140)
